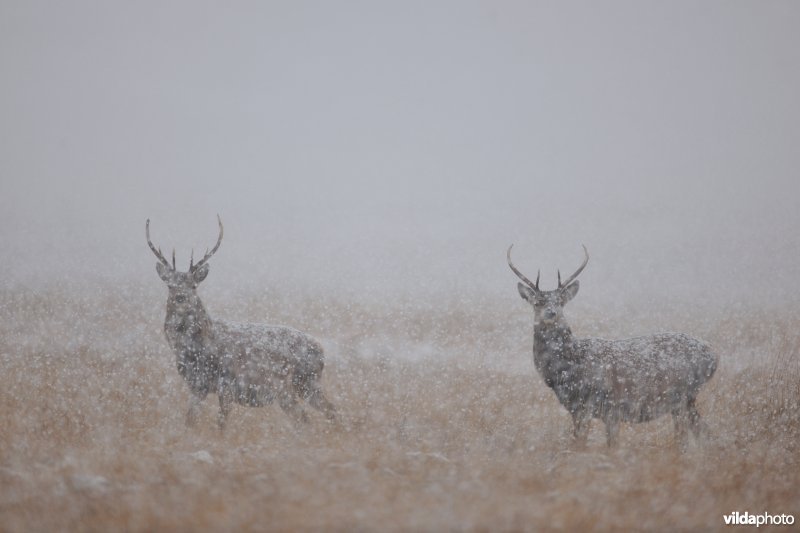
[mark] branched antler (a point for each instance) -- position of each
(534, 286)
(575, 275)
(158, 253)
(208, 254)
(192, 265)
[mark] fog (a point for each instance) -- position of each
(371, 163)
(397, 149)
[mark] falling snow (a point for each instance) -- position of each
(372, 164)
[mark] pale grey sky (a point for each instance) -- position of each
(401, 146)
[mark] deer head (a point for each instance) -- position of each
(182, 285)
(548, 306)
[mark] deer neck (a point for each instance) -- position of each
(190, 333)
(556, 336)
(552, 348)
(188, 329)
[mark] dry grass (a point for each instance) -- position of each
(445, 426)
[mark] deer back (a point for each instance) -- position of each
(645, 377)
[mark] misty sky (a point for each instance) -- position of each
(399, 148)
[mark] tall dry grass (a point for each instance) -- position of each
(445, 425)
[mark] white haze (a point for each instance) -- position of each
(395, 150)
(372, 162)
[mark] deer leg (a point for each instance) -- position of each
(193, 412)
(612, 429)
(225, 395)
(287, 399)
(306, 386)
(680, 421)
(319, 402)
(580, 426)
(694, 419)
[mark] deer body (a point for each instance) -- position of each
(631, 380)
(249, 364)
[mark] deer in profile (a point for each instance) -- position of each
(250, 364)
(631, 380)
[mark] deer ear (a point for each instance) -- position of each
(569, 292)
(526, 292)
(200, 274)
(164, 272)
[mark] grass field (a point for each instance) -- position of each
(444, 424)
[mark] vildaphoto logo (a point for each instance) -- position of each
(765, 519)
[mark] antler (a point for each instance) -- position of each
(529, 283)
(207, 256)
(158, 253)
(575, 275)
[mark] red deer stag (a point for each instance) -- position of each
(630, 380)
(250, 364)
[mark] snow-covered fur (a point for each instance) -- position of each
(250, 364)
(630, 380)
